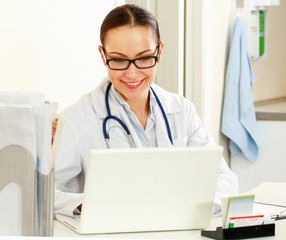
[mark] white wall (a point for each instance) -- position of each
(208, 58)
(221, 38)
(51, 47)
(271, 69)
(170, 17)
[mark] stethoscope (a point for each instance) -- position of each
(109, 116)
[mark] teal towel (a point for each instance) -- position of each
(238, 116)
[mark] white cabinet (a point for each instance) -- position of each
(270, 165)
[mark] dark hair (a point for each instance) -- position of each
(129, 14)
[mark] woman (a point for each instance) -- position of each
(131, 49)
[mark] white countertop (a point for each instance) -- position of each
(274, 109)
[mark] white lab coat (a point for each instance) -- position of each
(83, 131)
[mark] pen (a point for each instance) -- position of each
(279, 216)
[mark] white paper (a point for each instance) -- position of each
(17, 127)
(266, 209)
(43, 124)
(26, 121)
(236, 207)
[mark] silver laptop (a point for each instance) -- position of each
(148, 189)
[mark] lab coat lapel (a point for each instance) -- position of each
(161, 130)
(170, 107)
(168, 103)
(162, 138)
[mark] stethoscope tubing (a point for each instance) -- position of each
(164, 115)
(109, 116)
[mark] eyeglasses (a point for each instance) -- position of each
(140, 63)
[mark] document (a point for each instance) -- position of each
(17, 127)
(26, 121)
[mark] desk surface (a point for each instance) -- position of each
(61, 230)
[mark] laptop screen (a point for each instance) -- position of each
(149, 189)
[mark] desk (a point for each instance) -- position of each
(61, 230)
(268, 193)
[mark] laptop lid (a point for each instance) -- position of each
(149, 189)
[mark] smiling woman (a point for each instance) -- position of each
(132, 47)
(129, 36)
(127, 109)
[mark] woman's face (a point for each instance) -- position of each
(131, 42)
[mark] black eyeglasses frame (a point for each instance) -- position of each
(131, 61)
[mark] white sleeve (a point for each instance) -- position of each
(66, 203)
(69, 177)
(227, 184)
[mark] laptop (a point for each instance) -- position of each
(147, 189)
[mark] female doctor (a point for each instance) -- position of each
(127, 109)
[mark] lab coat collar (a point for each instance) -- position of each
(119, 98)
(169, 104)
(97, 97)
(123, 103)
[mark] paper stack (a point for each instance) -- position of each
(26, 127)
